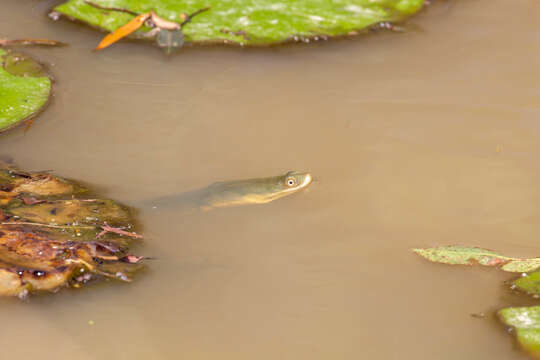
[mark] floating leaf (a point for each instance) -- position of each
(250, 22)
(463, 255)
(24, 88)
(123, 31)
(530, 283)
(526, 322)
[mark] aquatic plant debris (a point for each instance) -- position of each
(463, 255)
(26, 42)
(25, 88)
(526, 323)
(248, 22)
(53, 235)
(169, 34)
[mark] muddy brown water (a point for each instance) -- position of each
(425, 138)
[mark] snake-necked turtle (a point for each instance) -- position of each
(237, 192)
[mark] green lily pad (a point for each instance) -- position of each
(24, 88)
(463, 255)
(250, 22)
(530, 283)
(526, 322)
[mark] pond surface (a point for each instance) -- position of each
(425, 138)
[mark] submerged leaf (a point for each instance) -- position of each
(170, 39)
(250, 22)
(526, 322)
(36, 185)
(49, 238)
(73, 211)
(463, 255)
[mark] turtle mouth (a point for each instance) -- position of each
(307, 180)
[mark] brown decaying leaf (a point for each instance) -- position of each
(123, 31)
(47, 242)
(31, 200)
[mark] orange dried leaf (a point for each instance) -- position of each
(123, 31)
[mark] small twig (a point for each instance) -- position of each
(111, 8)
(189, 17)
(31, 200)
(106, 229)
(6, 42)
(107, 258)
(47, 225)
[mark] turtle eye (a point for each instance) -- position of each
(291, 182)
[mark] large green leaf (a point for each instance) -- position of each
(24, 88)
(463, 255)
(251, 22)
(526, 322)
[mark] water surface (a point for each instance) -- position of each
(425, 138)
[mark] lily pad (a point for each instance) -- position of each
(463, 255)
(249, 22)
(529, 283)
(24, 88)
(526, 322)
(49, 238)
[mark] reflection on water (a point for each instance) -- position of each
(418, 139)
